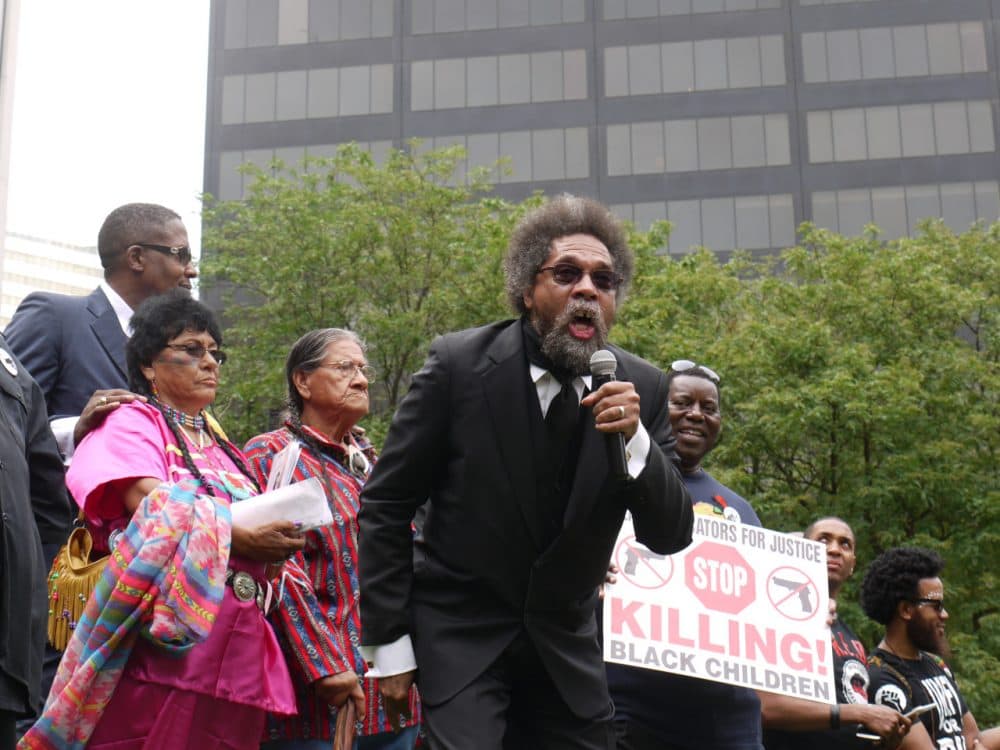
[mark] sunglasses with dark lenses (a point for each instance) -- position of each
(937, 604)
(566, 274)
(181, 252)
(197, 351)
(683, 365)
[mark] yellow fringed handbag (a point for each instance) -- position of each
(73, 578)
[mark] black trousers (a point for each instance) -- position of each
(514, 705)
(8, 737)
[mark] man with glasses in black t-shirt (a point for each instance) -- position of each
(903, 591)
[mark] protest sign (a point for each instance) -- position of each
(741, 605)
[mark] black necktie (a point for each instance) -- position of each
(560, 421)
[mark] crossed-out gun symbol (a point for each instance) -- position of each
(632, 556)
(796, 587)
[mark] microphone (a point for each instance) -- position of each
(602, 370)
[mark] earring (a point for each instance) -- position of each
(152, 386)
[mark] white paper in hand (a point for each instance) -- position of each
(303, 503)
(283, 466)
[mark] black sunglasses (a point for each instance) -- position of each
(937, 604)
(197, 351)
(566, 274)
(683, 365)
(181, 252)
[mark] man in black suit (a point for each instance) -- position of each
(495, 605)
(35, 507)
(74, 347)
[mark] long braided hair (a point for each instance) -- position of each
(158, 320)
(306, 355)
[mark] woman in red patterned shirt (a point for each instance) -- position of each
(328, 377)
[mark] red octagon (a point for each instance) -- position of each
(720, 577)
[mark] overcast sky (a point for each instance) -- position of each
(109, 108)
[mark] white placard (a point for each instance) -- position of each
(741, 605)
(303, 503)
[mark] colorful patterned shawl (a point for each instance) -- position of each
(164, 581)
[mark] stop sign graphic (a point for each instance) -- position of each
(720, 577)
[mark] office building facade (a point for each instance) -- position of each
(735, 119)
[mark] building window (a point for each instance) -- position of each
(748, 222)
(533, 155)
(455, 83)
(620, 9)
(233, 185)
(698, 144)
(704, 65)
(442, 16)
(265, 23)
(307, 94)
(897, 210)
(931, 129)
(894, 52)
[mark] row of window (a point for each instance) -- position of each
(616, 9)
(749, 222)
(698, 144)
(532, 155)
(932, 129)
(303, 94)
(265, 23)
(438, 16)
(897, 210)
(705, 65)
(894, 52)
(233, 185)
(559, 75)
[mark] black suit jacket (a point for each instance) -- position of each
(72, 346)
(461, 438)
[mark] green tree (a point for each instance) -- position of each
(860, 378)
(398, 252)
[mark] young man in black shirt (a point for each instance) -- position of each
(903, 591)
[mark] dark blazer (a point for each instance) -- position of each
(36, 510)
(462, 438)
(72, 346)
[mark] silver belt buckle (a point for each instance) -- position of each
(244, 586)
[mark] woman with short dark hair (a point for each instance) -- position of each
(156, 475)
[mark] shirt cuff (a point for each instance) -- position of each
(62, 428)
(637, 451)
(390, 659)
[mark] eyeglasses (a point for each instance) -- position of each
(181, 252)
(937, 604)
(566, 274)
(683, 365)
(197, 351)
(347, 368)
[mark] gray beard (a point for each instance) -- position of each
(563, 349)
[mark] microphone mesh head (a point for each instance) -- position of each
(603, 362)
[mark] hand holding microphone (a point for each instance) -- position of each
(615, 404)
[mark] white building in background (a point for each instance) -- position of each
(9, 12)
(32, 264)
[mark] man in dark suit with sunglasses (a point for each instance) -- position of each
(74, 347)
(493, 611)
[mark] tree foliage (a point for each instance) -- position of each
(396, 252)
(860, 379)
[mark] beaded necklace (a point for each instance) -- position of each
(180, 418)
